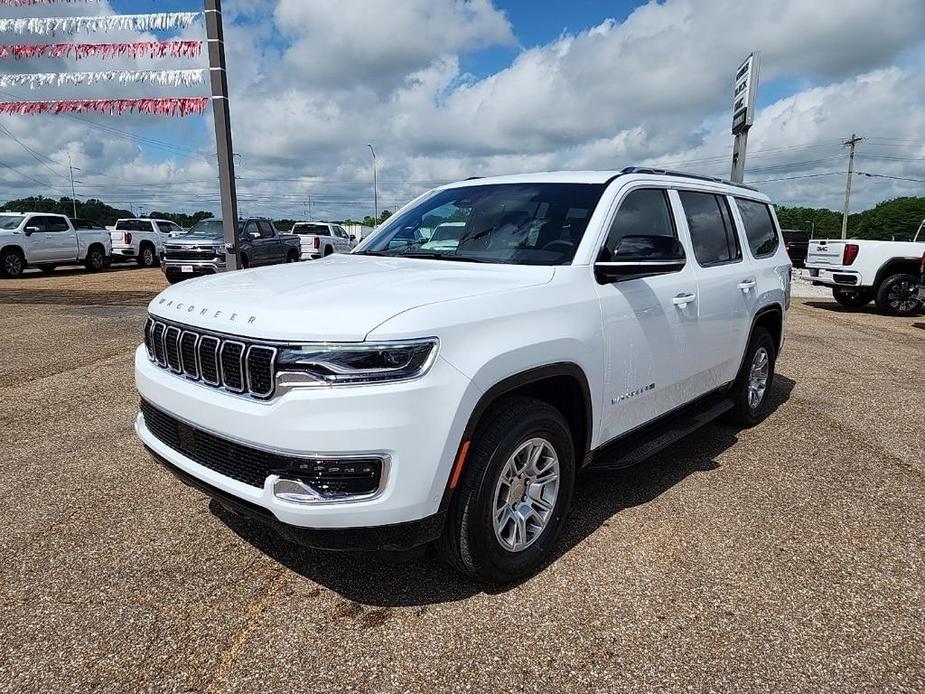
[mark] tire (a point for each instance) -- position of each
(750, 403)
(852, 298)
(897, 295)
(47, 269)
(470, 542)
(12, 264)
(147, 257)
(292, 258)
(244, 262)
(328, 251)
(95, 260)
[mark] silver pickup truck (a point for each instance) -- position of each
(321, 239)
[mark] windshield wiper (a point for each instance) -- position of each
(444, 256)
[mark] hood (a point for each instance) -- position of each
(195, 240)
(341, 298)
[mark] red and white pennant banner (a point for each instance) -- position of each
(117, 22)
(24, 3)
(78, 51)
(163, 78)
(156, 107)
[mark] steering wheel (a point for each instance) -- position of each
(551, 246)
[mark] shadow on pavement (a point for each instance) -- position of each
(870, 309)
(420, 578)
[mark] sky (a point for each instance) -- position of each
(447, 89)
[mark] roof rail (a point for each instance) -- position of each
(668, 172)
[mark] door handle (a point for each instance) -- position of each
(683, 300)
(746, 285)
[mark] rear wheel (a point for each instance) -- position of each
(95, 260)
(146, 256)
(514, 494)
(12, 263)
(752, 387)
(898, 295)
(292, 257)
(328, 251)
(852, 298)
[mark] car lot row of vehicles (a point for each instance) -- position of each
(46, 241)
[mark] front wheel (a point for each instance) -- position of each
(12, 264)
(852, 298)
(751, 391)
(898, 295)
(514, 493)
(95, 260)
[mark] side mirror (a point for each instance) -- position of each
(28, 231)
(254, 235)
(642, 256)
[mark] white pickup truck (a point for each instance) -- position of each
(46, 240)
(321, 239)
(860, 271)
(142, 240)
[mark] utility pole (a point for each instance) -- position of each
(73, 193)
(375, 189)
(850, 143)
(221, 112)
(309, 208)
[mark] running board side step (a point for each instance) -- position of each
(642, 443)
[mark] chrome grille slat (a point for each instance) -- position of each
(237, 366)
(172, 348)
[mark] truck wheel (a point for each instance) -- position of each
(749, 393)
(898, 295)
(292, 257)
(328, 251)
(174, 277)
(852, 298)
(95, 260)
(146, 256)
(12, 263)
(514, 493)
(244, 262)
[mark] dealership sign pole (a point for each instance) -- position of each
(220, 110)
(743, 112)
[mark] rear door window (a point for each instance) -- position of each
(759, 227)
(712, 232)
(266, 230)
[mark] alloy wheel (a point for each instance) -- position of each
(525, 495)
(902, 296)
(758, 378)
(12, 265)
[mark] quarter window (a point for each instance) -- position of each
(643, 212)
(759, 227)
(712, 232)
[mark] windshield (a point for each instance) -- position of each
(518, 223)
(10, 222)
(210, 228)
(316, 229)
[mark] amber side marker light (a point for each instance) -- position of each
(460, 461)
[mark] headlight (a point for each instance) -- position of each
(355, 364)
(219, 250)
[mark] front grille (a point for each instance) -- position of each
(332, 478)
(235, 365)
(189, 253)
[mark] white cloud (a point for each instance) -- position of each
(314, 81)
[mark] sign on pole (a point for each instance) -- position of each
(743, 112)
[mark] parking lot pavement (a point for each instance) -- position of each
(788, 557)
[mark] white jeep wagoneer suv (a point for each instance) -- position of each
(416, 391)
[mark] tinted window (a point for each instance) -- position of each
(10, 222)
(518, 223)
(266, 230)
(86, 224)
(759, 227)
(643, 212)
(710, 224)
(165, 227)
(134, 225)
(49, 223)
(311, 229)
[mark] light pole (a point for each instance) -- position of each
(812, 229)
(73, 193)
(375, 189)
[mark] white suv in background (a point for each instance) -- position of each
(580, 320)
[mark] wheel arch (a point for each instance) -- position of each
(771, 318)
(563, 385)
(13, 247)
(896, 266)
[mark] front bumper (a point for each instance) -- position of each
(417, 424)
(192, 267)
